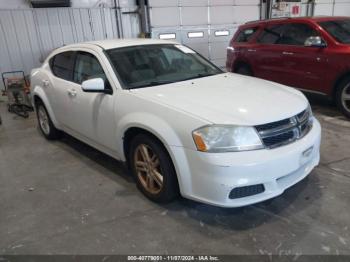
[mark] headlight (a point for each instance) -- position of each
(222, 138)
(311, 116)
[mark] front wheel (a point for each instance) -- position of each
(153, 169)
(343, 96)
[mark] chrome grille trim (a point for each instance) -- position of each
(285, 131)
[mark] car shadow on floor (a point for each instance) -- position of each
(323, 105)
(94, 158)
(292, 201)
(236, 219)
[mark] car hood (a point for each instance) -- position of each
(229, 99)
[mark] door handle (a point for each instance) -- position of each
(288, 53)
(45, 83)
(251, 50)
(72, 93)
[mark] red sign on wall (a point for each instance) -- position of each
(295, 10)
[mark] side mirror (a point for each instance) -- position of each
(315, 41)
(95, 85)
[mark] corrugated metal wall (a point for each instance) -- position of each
(204, 25)
(27, 36)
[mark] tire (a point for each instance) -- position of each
(46, 126)
(342, 96)
(147, 182)
(244, 70)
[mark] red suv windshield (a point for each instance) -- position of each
(338, 29)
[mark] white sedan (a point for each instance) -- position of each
(181, 124)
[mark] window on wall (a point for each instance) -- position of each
(62, 65)
(245, 35)
(287, 34)
(87, 67)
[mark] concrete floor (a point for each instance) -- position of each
(64, 197)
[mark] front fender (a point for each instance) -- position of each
(167, 135)
(155, 125)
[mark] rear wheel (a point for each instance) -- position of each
(45, 124)
(343, 96)
(153, 169)
(244, 70)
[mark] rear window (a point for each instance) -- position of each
(62, 65)
(245, 35)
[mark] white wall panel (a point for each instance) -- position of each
(332, 7)
(221, 2)
(246, 13)
(165, 16)
(33, 37)
(98, 29)
(222, 14)
(130, 23)
(194, 15)
(193, 2)
(29, 35)
(342, 9)
(162, 3)
(247, 2)
(66, 24)
(23, 40)
(10, 36)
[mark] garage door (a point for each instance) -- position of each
(332, 7)
(205, 25)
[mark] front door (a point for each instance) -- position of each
(283, 58)
(307, 66)
(92, 114)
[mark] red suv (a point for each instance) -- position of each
(309, 53)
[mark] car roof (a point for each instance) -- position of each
(291, 19)
(116, 43)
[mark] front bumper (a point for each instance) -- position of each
(210, 177)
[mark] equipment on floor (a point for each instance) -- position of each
(18, 93)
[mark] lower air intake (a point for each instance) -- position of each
(246, 191)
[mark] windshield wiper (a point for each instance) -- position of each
(153, 83)
(157, 83)
(199, 76)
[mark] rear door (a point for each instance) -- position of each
(61, 83)
(243, 46)
(268, 60)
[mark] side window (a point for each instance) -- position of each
(245, 35)
(271, 34)
(87, 67)
(296, 34)
(62, 65)
(287, 34)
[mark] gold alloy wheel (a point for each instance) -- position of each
(147, 166)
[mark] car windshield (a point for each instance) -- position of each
(339, 29)
(151, 65)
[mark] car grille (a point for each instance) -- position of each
(285, 131)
